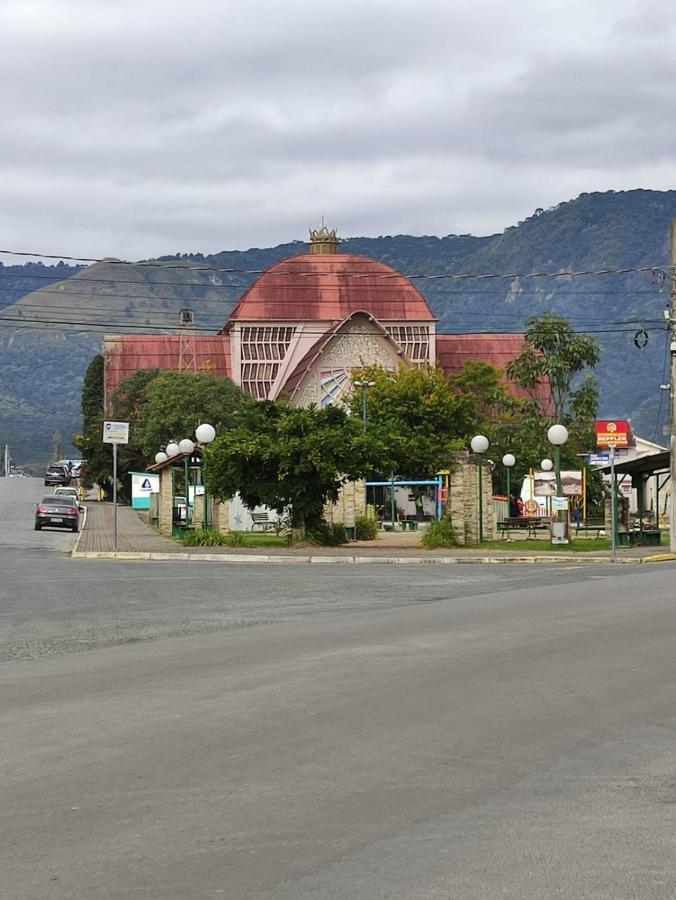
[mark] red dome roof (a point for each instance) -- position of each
(323, 287)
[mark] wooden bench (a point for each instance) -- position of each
(530, 524)
(640, 537)
(262, 521)
(591, 525)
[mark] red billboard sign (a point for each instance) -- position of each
(614, 433)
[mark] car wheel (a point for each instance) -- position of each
(38, 527)
(76, 528)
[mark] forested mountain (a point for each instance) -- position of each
(54, 316)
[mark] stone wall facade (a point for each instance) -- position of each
(220, 516)
(462, 506)
(166, 499)
(351, 348)
(350, 504)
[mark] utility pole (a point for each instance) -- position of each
(672, 350)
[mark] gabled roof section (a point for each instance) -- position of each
(454, 350)
(328, 288)
(295, 379)
(127, 353)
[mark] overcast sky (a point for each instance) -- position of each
(133, 128)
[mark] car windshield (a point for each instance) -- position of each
(55, 469)
(57, 500)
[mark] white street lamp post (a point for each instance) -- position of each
(364, 385)
(186, 447)
(508, 460)
(557, 435)
(205, 434)
(479, 445)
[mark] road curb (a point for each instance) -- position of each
(79, 536)
(248, 558)
(660, 557)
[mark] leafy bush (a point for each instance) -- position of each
(200, 538)
(365, 528)
(328, 535)
(439, 534)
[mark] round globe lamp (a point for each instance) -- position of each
(205, 433)
(479, 443)
(508, 461)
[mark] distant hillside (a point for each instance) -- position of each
(55, 316)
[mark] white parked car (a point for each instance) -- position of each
(68, 492)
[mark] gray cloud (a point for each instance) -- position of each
(134, 129)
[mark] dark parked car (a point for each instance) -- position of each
(57, 474)
(57, 511)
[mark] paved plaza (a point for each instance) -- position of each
(135, 537)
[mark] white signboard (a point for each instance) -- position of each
(143, 484)
(116, 432)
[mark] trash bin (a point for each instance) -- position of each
(559, 533)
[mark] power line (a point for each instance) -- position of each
(35, 323)
(139, 310)
(654, 269)
(72, 279)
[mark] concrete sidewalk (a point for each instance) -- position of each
(135, 540)
(132, 535)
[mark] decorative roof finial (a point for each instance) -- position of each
(322, 240)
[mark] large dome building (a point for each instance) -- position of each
(306, 323)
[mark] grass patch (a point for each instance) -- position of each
(262, 539)
(199, 538)
(439, 534)
(328, 535)
(366, 528)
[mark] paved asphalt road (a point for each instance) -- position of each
(461, 732)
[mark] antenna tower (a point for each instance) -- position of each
(187, 360)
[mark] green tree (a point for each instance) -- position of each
(555, 352)
(97, 455)
(92, 390)
(288, 458)
(416, 419)
(159, 405)
(172, 404)
(552, 351)
(163, 405)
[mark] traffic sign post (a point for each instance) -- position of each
(115, 433)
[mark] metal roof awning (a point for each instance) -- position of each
(644, 465)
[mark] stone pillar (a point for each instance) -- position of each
(351, 503)
(457, 491)
(198, 511)
(221, 516)
(166, 499)
(463, 500)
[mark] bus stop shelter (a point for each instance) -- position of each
(640, 470)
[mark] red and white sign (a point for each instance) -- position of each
(614, 433)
